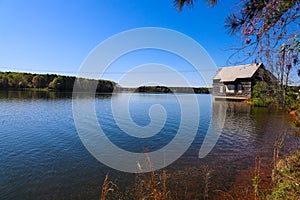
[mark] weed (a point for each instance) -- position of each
(107, 187)
(256, 179)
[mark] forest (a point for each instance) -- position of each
(163, 89)
(16, 81)
(19, 81)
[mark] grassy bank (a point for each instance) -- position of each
(286, 174)
(286, 179)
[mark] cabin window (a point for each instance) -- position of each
(240, 88)
(221, 89)
(230, 88)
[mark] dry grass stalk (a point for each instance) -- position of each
(278, 144)
(256, 179)
(107, 186)
(224, 195)
(158, 191)
(207, 177)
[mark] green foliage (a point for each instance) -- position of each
(3, 81)
(297, 112)
(163, 89)
(287, 179)
(57, 83)
(255, 184)
(286, 170)
(280, 192)
(261, 94)
(154, 89)
(38, 81)
(15, 80)
(105, 86)
(297, 123)
(292, 97)
(259, 102)
(260, 90)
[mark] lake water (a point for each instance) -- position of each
(42, 156)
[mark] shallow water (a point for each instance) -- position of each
(42, 156)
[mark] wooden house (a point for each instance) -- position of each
(236, 82)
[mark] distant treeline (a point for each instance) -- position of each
(16, 80)
(163, 89)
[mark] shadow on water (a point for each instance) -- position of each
(41, 94)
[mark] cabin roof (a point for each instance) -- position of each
(230, 74)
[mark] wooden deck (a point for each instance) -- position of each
(230, 98)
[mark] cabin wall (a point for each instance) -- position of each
(245, 92)
(246, 87)
(216, 88)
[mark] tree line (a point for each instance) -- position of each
(17, 80)
(163, 89)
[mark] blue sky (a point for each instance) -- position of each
(55, 36)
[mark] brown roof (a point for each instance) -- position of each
(230, 74)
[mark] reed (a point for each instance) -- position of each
(107, 187)
(154, 183)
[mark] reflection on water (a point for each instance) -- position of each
(40, 94)
(42, 156)
(33, 94)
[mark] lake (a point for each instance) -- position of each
(42, 156)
